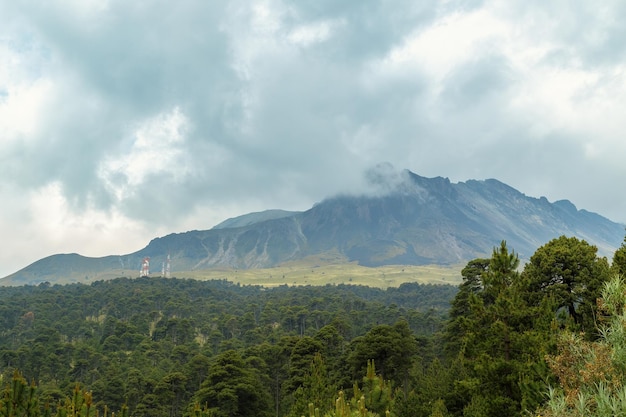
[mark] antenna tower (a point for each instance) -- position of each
(167, 267)
(145, 267)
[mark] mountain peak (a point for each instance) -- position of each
(405, 219)
(252, 218)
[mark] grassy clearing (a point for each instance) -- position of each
(346, 273)
(312, 271)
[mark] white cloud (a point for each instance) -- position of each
(85, 8)
(309, 34)
(545, 94)
(43, 222)
(21, 108)
(447, 43)
(24, 89)
(55, 224)
(158, 147)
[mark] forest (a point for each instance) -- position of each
(547, 338)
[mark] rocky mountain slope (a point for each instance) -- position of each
(417, 221)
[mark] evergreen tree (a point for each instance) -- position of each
(316, 390)
(392, 348)
(305, 349)
(618, 266)
(233, 389)
(568, 271)
(21, 399)
(472, 275)
(377, 392)
(502, 338)
(373, 399)
(432, 384)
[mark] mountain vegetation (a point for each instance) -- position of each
(546, 338)
(410, 220)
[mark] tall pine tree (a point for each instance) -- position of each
(502, 341)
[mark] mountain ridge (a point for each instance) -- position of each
(252, 218)
(415, 221)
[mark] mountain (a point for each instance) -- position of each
(415, 221)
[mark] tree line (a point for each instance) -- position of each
(544, 339)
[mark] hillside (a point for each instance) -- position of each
(418, 221)
(252, 218)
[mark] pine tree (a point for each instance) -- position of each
(569, 271)
(21, 399)
(232, 388)
(316, 390)
(376, 391)
(618, 266)
(502, 338)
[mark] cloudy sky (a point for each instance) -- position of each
(121, 120)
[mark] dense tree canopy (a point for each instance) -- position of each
(173, 347)
(233, 388)
(152, 344)
(391, 347)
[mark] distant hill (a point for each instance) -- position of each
(416, 221)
